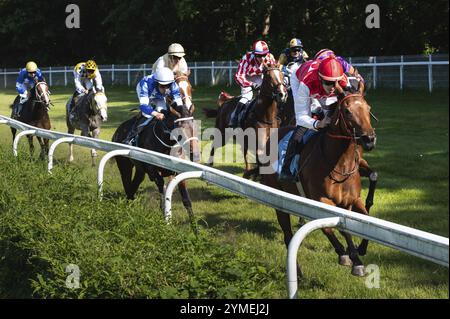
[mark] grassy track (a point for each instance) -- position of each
(411, 158)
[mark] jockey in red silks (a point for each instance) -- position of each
(249, 75)
(313, 88)
(349, 69)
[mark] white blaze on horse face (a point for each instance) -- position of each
(184, 88)
(45, 94)
(102, 105)
(284, 94)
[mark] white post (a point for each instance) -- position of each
(145, 66)
(17, 138)
(195, 73)
(51, 76)
(212, 73)
(430, 74)
(128, 76)
(65, 76)
(51, 151)
(401, 72)
(294, 245)
(101, 168)
(171, 187)
(112, 74)
(5, 78)
(374, 72)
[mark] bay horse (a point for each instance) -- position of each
(35, 112)
(262, 117)
(329, 171)
(90, 112)
(157, 136)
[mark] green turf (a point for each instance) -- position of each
(411, 158)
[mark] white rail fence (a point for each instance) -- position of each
(412, 241)
(409, 71)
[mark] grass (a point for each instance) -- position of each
(124, 250)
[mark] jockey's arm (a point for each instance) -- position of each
(20, 86)
(183, 67)
(40, 77)
(99, 82)
(302, 105)
(77, 80)
(241, 73)
(305, 55)
(176, 95)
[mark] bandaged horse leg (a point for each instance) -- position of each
(95, 134)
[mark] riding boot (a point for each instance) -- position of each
(17, 110)
(238, 110)
(294, 148)
(135, 130)
(73, 102)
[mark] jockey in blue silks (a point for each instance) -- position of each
(152, 91)
(27, 79)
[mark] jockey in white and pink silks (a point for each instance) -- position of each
(249, 74)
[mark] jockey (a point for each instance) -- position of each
(249, 75)
(313, 87)
(348, 68)
(27, 79)
(294, 54)
(152, 91)
(85, 75)
(173, 59)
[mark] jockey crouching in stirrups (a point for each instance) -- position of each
(152, 91)
(313, 88)
(86, 77)
(249, 75)
(27, 79)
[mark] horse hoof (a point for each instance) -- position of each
(358, 271)
(345, 260)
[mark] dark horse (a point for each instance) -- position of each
(35, 113)
(90, 112)
(157, 136)
(262, 117)
(329, 171)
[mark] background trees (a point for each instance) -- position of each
(138, 31)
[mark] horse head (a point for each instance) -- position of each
(185, 86)
(185, 130)
(99, 105)
(273, 83)
(42, 93)
(351, 119)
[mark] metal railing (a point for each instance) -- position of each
(412, 241)
(409, 71)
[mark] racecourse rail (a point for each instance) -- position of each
(412, 241)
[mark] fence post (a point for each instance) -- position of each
(51, 78)
(112, 74)
(65, 76)
(430, 74)
(5, 78)
(128, 76)
(145, 66)
(195, 73)
(229, 74)
(374, 72)
(401, 72)
(212, 73)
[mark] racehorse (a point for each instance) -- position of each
(329, 171)
(35, 112)
(90, 111)
(262, 117)
(157, 136)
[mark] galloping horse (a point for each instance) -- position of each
(262, 117)
(35, 113)
(156, 136)
(90, 112)
(329, 171)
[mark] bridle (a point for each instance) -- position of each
(274, 94)
(40, 96)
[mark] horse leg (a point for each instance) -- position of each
(43, 148)
(71, 130)
(366, 171)
(126, 170)
(30, 142)
(284, 220)
(138, 178)
(187, 204)
(95, 134)
(13, 131)
(358, 207)
(358, 266)
(344, 259)
(159, 181)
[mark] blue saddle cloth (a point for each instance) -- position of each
(282, 148)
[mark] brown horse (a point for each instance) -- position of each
(329, 171)
(35, 113)
(261, 118)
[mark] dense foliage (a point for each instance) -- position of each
(138, 31)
